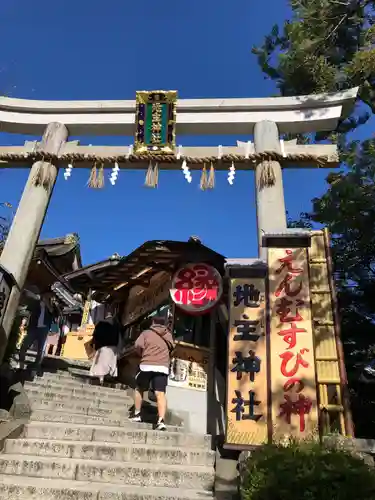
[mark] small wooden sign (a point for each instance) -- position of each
(86, 313)
(246, 409)
(155, 122)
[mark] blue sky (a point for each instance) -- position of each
(108, 50)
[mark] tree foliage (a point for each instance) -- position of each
(348, 210)
(305, 471)
(327, 46)
(5, 221)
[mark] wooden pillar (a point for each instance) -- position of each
(270, 204)
(27, 224)
(212, 417)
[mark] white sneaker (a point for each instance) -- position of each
(160, 426)
(136, 418)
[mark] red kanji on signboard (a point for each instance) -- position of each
(302, 407)
(287, 263)
(290, 335)
(294, 383)
(287, 357)
(286, 286)
(196, 288)
(284, 310)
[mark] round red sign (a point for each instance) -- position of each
(196, 288)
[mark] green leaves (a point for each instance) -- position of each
(305, 471)
(348, 210)
(5, 221)
(325, 46)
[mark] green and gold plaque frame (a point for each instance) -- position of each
(155, 122)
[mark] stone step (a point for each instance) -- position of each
(80, 394)
(70, 373)
(113, 434)
(59, 363)
(73, 377)
(89, 450)
(76, 376)
(29, 359)
(58, 386)
(95, 402)
(151, 474)
(72, 418)
(29, 488)
(74, 406)
(68, 376)
(56, 362)
(84, 383)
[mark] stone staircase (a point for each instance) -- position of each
(79, 445)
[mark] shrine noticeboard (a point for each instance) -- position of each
(189, 367)
(293, 380)
(247, 365)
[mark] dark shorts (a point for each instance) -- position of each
(151, 380)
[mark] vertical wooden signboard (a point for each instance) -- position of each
(247, 365)
(293, 384)
(86, 311)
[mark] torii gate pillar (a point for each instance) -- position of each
(270, 204)
(24, 233)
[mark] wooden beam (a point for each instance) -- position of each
(329, 150)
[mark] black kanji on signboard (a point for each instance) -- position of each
(250, 364)
(246, 329)
(239, 408)
(247, 294)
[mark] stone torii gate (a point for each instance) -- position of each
(265, 118)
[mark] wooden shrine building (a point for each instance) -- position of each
(52, 258)
(235, 323)
(139, 285)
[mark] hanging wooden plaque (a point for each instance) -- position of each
(155, 122)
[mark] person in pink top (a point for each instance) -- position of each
(155, 346)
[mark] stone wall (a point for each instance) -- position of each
(361, 448)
